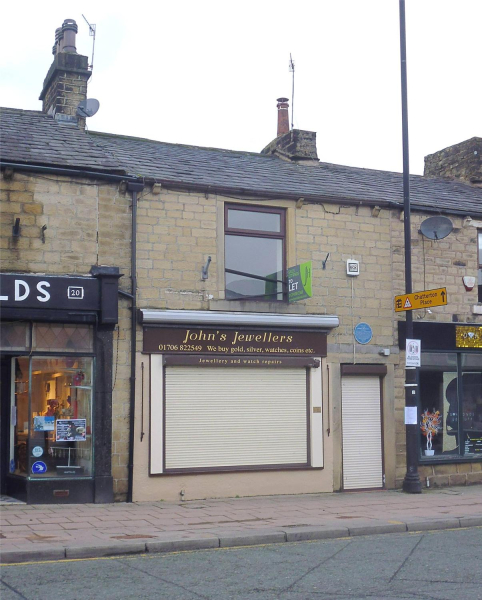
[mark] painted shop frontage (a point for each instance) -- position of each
(56, 386)
(231, 404)
(450, 410)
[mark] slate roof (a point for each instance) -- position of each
(254, 173)
(33, 138)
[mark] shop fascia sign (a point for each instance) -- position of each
(300, 279)
(200, 340)
(35, 291)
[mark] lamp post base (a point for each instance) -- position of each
(412, 484)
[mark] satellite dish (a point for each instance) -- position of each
(88, 108)
(436, 228)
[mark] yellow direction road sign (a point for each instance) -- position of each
(425, 299)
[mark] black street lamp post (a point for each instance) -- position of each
(411, 482)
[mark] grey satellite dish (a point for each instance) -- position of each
(88, 108)
(436, 228)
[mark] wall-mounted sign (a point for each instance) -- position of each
(269, 342)
(417, 300)
(413, 353)
(468, 337)
(363, 333)
(300, 282)
(55, 292)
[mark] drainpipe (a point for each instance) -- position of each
(134, 188)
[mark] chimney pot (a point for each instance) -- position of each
(283, 116)
(69, 30)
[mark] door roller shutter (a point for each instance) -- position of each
(362, 437)
(221, 417)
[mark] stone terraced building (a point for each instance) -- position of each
(182, 322)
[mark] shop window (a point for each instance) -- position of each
(479, 253)
(471, 435)
(51, 417)
(451, 405)
(254, 253)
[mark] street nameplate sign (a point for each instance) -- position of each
(425, 299)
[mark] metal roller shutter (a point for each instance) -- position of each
(220, 417)
(362, 437)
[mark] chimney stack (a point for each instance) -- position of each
(66, 82)
(293, 145)
(460, 162)
(283, 116)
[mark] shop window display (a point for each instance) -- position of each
(451, 405)
(51, 425)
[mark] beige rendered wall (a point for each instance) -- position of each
(217, 485)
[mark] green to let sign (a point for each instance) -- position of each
(300, 280)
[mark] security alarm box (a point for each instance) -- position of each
(352, 267)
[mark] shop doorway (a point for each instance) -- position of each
(362, 432)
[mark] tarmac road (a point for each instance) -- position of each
(438, 565)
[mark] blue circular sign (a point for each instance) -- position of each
(39, 467)
(363, 333)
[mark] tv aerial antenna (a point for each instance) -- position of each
(292, 70)
(92, 34)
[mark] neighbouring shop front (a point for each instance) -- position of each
(235, 402)
(56, 386)
(450, 383)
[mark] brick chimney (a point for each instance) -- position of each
(296, 145)
(66, 82)
(461, 162)
(283, 116)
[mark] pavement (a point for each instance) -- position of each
(30, 533)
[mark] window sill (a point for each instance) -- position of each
(257, 306)
(241, 469)
(443, 460)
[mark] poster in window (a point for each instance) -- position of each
(43, 423)
(70, 430)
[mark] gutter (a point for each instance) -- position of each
(68, 172)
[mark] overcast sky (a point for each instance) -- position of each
(208, 72)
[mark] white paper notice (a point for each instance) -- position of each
(413, 350)
(411, 415)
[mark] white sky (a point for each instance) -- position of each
(208, 73)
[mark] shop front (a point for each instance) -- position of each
(236, 404)
(56, 386)
(450, 382)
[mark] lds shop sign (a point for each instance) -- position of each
(272, 342)
(36, 291)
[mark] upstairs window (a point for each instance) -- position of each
(479, 239)
(254, 252)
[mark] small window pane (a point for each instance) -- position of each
(62, 338)
(15, 336)
(254, 220)
(253, 256)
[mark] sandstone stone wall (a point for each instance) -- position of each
(462, 161)
(88, 223)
